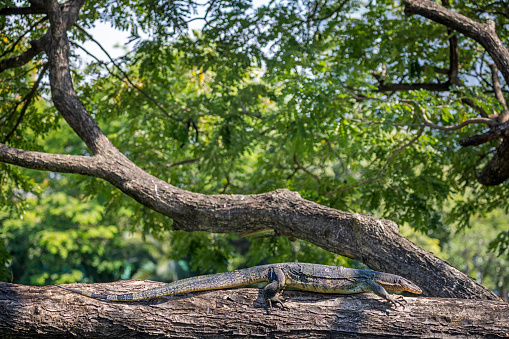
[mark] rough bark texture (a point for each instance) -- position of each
(492, 175)
(374, 242)
(496, 170)
(34, 312)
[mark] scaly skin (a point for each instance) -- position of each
(307, 277)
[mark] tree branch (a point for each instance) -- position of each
(497, 132)
(21, 10)
(389, 87)
(496, 170)
(453, 53)
(483, 33)
(10, 50)
(486, 121)
(63, 163)
(429, 123)
(64, 97)
(331, 13)
(183, 162)
(317, 178)
(25, 57)
(504, 115)
(478, 108)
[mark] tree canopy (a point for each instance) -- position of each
(394, 109)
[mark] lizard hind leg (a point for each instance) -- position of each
(273, 291)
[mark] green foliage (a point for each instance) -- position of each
(4, 259)
(283, 95)
(500, 243)
(471, 251)
(48, 236)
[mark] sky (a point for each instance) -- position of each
(108, 37)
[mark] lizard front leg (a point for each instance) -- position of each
(381, 292)
(272, 292)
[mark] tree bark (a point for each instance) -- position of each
(33, 312)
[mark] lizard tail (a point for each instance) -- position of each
(195, 284)
(92, 295)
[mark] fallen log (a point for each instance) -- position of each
(49, 311)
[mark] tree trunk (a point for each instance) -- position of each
(32, 312)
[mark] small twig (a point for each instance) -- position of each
(27, 101)
(383, 123)
(429, 123)
(246, 112)
(478, 108)
(504, 115)
(258, 231)
(305, 169)
(21, 75)
(336, 10)
(271, 235)
(10, 50)
(157, 103)
(295, 170)
(228, 183)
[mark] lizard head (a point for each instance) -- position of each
(396, 283)
(407, 285)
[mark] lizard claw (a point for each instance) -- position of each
(279, 304)
(277, 300)
(398, 300)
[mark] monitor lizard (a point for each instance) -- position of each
(302, 276)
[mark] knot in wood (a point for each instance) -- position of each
(490, 26)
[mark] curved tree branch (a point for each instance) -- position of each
(487, 121)
(497, 132)
(483, 33)
(64, 97)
